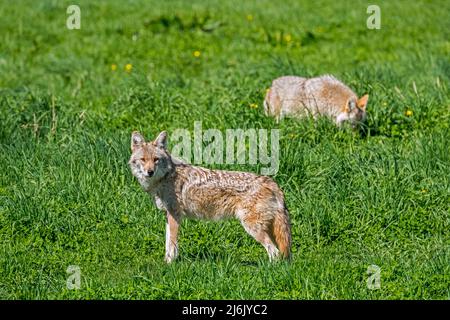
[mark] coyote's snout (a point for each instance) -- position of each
(183, 190)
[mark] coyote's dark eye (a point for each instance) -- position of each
(155, 160)
(351, 105)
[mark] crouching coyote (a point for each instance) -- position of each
(297, 97)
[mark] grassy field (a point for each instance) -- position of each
(68, 104)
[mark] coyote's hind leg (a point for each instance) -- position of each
(259, 231)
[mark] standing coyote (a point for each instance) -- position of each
(299, 97)
(183, 190)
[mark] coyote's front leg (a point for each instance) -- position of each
(172, 225)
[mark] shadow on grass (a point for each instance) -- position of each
(226, 258)
(221, 257)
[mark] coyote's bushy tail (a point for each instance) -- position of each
(282, 232)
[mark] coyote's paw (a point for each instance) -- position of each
(169, 258)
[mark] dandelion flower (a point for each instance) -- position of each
(114, 67)
(197, 53)
(320, 30)
(128, 67)
(249, 17)
(253, 105)
(288, 38)
(409, 113)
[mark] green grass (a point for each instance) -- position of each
(67, 196)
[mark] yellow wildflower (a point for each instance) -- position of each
(409, 113)
(128, 67)
(197, 53)
(114, 67)
(320, 30)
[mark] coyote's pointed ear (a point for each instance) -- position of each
(161, 140)
(136, 140)
(362, 102)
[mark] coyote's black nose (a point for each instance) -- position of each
(150, 173)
